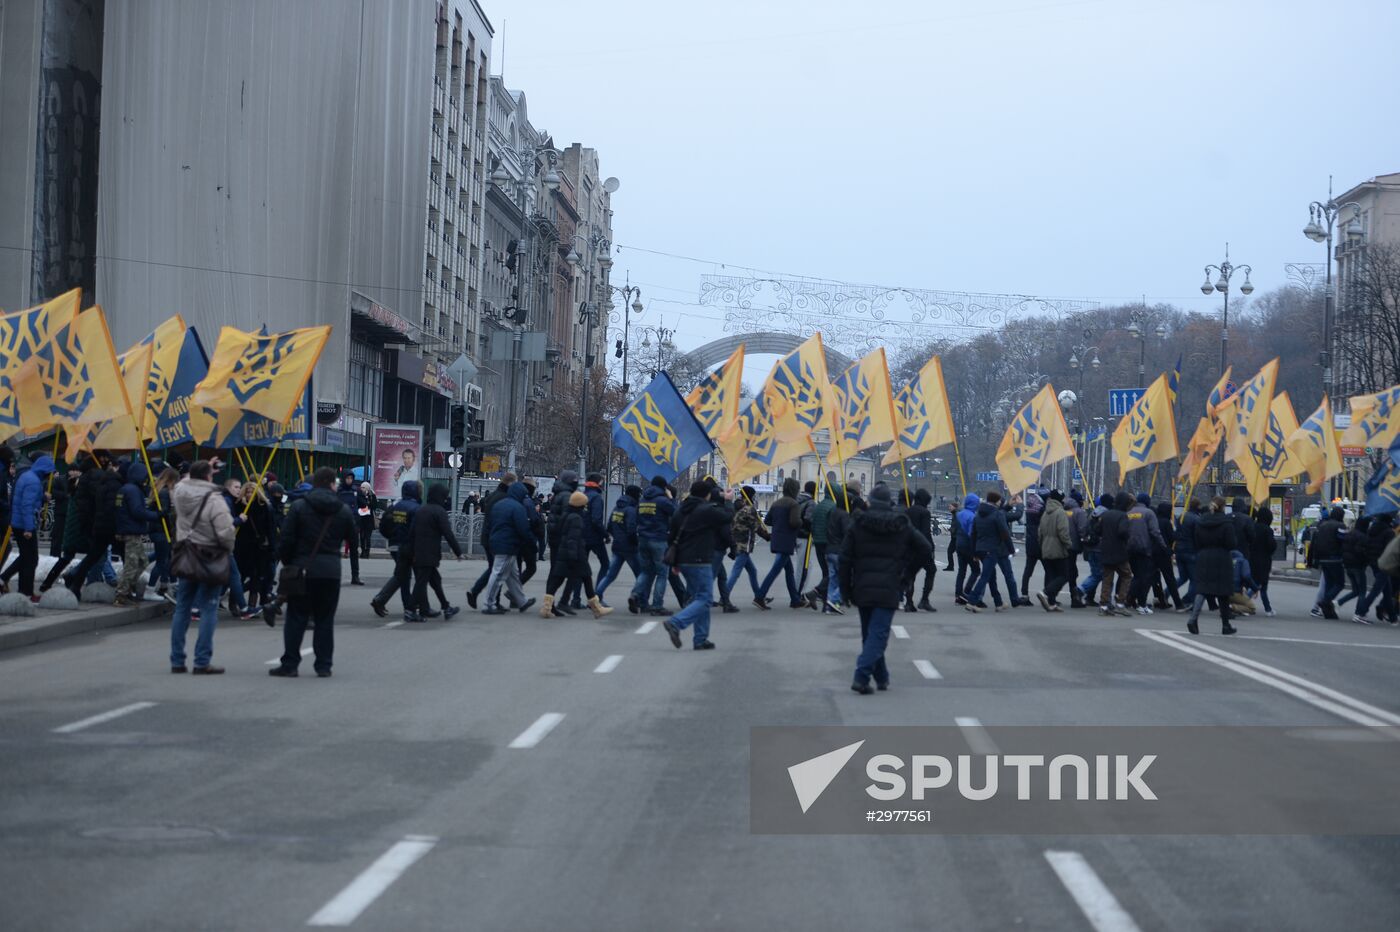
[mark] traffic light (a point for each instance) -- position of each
(457, 429)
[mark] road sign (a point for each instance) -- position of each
(919, 474)
(990, 476)
(490, 463)
(1121, 400)
(1353, 453)
(1078, 476)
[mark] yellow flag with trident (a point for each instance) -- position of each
(265, 373)
(922, 414)
(1314, 449)
(864, 407)
(1268, 460)
(715, 401)
(1148, 434)
(1199, 450)
(22, 335)
(1037, 437)
(74, 379)
(798, 392)
(1246, 413)
(121, 433)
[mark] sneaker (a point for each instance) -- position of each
(379, 608)
(762, 604)
(1044, 600)
(412, 617)
(835, 608)
(959, 601)
(633, 605)
(705, 645)
(1121, 612)
(1105, 611)
(1316, 611)
(471, 597)
(356, 582)
(1148, 609)
(448, 611)
(971, 608)
(489, 610)
(1006, 608)
(210, 670)
(525, 606)
(864, 689)
(730, 608)
(673, 633)
(1144, 610)
(282, 671)
(247, 614)
(1361, 619)
(1268, 614)
(1054, 608)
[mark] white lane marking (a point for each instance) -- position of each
(347, 905)
(928, 670)
(609, 664)
(1261, 637)
(276, 661)
(394, 624)
(99, 719)
(1344, 706)
(1095, 900)
(900, 631)
(976, 736)
(647, 627)
(536, 732)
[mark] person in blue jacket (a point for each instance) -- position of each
(622, 526)
(134, 520)
(654, 514)
(26, 501)
(510, 534)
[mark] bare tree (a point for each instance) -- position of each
(1368, 323)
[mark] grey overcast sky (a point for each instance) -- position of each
(1101, 149)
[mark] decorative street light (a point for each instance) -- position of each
(588, 316)
(1225, 271)
(1322, 233)
(663, 342)
(1140, 320)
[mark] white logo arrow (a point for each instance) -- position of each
(811, 777)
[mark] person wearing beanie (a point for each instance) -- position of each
(921, 520)
(622, 528)
(568, 566)
(1115, 557)
(595, 530)
(1144, 539)
(1090, 535)
(698, 529)
(1056, 543)
(993, 546)
(747, 528)
(654, 513)
(785, 518)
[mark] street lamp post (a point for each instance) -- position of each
(1140, 319)
(663, 339)
(588, 316)
(1322, 233)
(623, 348)
(1224, 272)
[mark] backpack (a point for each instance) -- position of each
(1093, 533)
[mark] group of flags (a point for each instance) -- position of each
(665, 434)
(59, 370)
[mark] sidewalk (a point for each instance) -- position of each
(50, 625)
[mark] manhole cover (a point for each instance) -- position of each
(151, 833)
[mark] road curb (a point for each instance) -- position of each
(26, 631)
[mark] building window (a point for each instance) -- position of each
(366, 388)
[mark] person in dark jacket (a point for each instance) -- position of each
(876, 552)
(1055, 541)
(785, 518)
(654, 513)
(511, 535)
(352, 498)
(1214, 539)
(133, 522)
(26, 502)
(1114, 557)
(1091, 540)
(103, 487)
(162, 532)
(746, 528)
(316, 528)
(529, 557)
(1185, 547)
(58, 491)
(431, 526)
(820, 512)
(1379, 533)
(838, 525)
(1034, 511)
(251, 543)
(1261, 554)
(1144, 538)
(717, 570)
(968, 568)
(568, 565)
(396, 525)
(496, 496)
(921, 520)
(1164, 584)
(992, 545)
(75, 529)
(1326, 555)
(595, 531)
(1354, 560)
(698, 528)
(564, 487)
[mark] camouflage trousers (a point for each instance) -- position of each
(133, 563)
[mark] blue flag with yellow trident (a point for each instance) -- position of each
(659, 433)
(1383, 489)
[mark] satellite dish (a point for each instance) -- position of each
(611, 185)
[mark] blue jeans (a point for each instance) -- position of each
(102, 570)
(833, 586)
(1091, 582)
(743, 563)
(1186, 562)
(720, 579)
(653, 573)
(990, 563)
(1380, 591)
(698, 580)
(782, 563)
(160, 567)
(188, 595)
(236, 601)
(874, 638)
(615, 567)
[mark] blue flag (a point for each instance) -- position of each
(1383, 489)
(173, 419)
(254, 430)
(658, 432)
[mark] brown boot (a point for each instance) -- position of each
(547, 608)
(598, 608)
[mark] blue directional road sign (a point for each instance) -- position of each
(992, 476)
(1121, 400)
(1078, 476)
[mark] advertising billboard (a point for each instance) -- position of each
(396, 456)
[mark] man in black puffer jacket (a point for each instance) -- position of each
(103, 487)
(875, 553)
(1114, 555)
(431, 527)
(921, 520)
(698, 529)
(317, 526)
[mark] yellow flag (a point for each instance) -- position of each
(796, 392)
(863, 407)
(1268, 460)
(1314, 449)
(1247, 415)
(752, 446)
(121, 433)
(262, 373)
(922, 414)
(78, 378)
(1375, 419)
(1036, 438)
(166, 341)
(715, 401)
(22, 335)
(1148, 434)
(1200, 450)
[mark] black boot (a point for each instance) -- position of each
(1076, 598)
(926, 606)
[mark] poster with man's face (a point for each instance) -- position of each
(397, 451)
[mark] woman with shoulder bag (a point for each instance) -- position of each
(204, 541)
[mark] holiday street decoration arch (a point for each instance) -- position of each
(779, 344)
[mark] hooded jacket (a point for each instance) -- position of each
(431, 527)
(320, 508)
(920, 519)
(510, 522)
(1214, 537)
(27, 499)
(397, 521)
(1143, 533)
(806, 506)
(990, 532)
(785, 518)
(1242, 517)
(1113, 526)
(838, 525)
(485, 506)
(654, 514)
(1078, 524)
(622, 526)
(595, 530)
(1054, 531)
(133, 517)
(104, 516)
(962, 524)
(1261, 548)
(698, 529)
(564, 486)
(875, 554)
(207, 524)
(1186, 534)
(820, 513)
(1327, 542)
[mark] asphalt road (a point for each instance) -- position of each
(390, 796)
